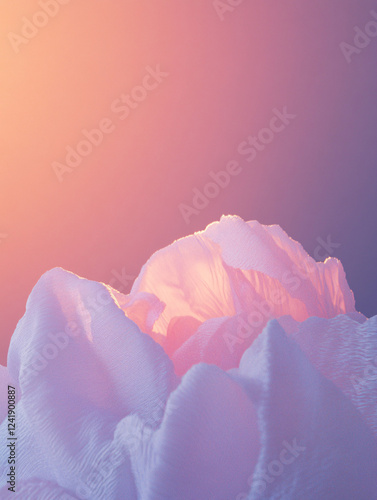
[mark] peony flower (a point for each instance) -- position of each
(237, 368)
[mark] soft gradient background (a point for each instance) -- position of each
(316, 178)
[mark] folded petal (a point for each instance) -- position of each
(314, 442)
(81, 366)
(345, 351)
(236, 267)
(208, 442)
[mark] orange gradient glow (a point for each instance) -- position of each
(224, 79)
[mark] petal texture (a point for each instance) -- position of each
(315, 444)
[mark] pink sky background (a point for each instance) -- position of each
(317, 177)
